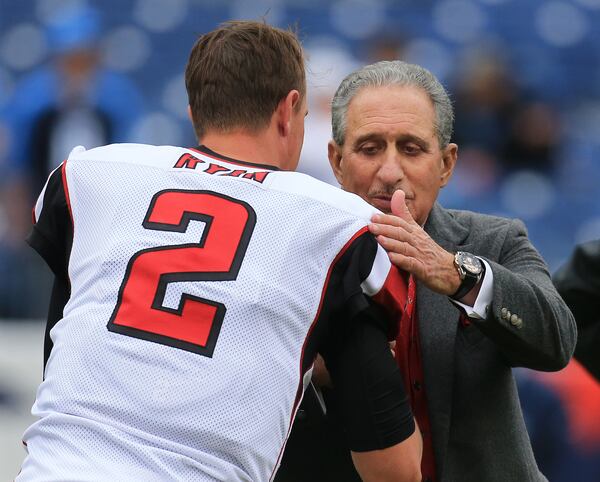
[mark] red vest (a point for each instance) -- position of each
(408, 356)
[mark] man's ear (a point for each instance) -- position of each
(449, 156)
(189, 112)
(285, 110)
(334, 152)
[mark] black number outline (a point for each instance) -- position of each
(166, 278)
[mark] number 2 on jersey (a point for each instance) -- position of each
(217, 256)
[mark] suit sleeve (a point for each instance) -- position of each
(578, 282)
(529, 322)
(369, 394)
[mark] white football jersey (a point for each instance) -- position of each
(200, 289)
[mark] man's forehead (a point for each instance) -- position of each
(391, 110)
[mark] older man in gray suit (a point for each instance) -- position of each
(484, 298)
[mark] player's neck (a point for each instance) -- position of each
(244, 146)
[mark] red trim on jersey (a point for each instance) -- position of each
(33, 220)
(63, 169)
(359, 233)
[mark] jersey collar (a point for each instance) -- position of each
(209, 152)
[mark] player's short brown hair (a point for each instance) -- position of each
(237, 75)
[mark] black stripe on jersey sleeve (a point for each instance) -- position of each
(375, 409)
(368, 391)
(52, 237)
(61, 292)
(368, 398)
(345, 295)
(52, 234)
(342, 296)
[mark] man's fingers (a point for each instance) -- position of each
(394, 219)
(393, 232)
(394, 246)
(405, 263)
(380, 222)
(387, 219)
(399, 261)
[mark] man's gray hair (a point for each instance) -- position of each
(392, 73)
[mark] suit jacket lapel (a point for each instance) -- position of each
(438, 323)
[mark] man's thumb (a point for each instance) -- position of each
(399, 207)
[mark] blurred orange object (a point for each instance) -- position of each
(580, 394)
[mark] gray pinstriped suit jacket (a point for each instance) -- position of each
(478, 430)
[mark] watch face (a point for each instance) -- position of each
(470, 263)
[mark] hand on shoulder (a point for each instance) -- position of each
(411, 249)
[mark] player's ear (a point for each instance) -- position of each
(334, 152)
(189, 112)
(285, 110)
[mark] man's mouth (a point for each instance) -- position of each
(383, 203)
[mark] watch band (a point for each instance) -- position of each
(468, 282)
(466, 285)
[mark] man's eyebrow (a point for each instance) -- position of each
(422, 143)
(366, 137)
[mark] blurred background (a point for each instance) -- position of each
(524, 76)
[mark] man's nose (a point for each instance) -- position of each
(391, 170)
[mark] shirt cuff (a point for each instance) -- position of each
(484, 299)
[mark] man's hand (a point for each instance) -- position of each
(320, 375)
(411, 249)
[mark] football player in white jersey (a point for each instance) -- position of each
(194, 287)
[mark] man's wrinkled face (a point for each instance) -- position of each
(391, 144)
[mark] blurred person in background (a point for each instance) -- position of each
(384, 46)
(533, 138)
(71, 100)
(578, 282)
(561, 410)
(484, 299)
(494, 114)
(487, 95)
